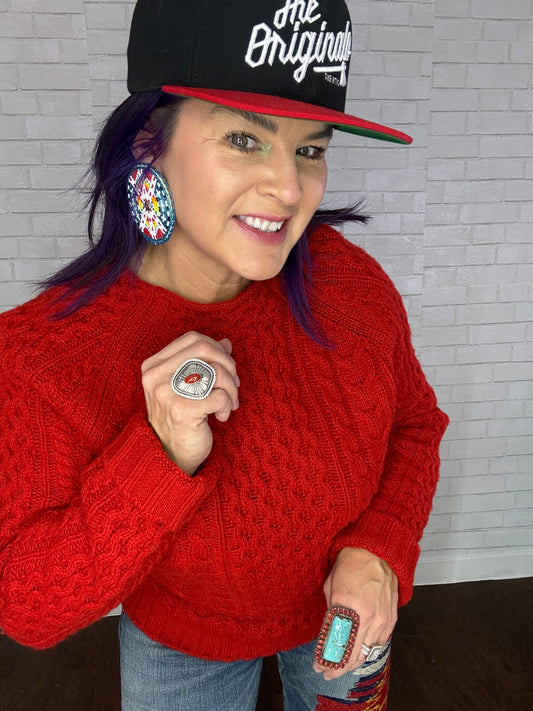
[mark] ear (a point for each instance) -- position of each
(140, 147)
(160, 121)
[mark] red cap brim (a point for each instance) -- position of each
(278, 106)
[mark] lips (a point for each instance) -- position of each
(262, 224)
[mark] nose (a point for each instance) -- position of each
(280, 178)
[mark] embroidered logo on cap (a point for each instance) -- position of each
(312, 44)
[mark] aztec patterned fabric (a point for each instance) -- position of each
(368, 696)
(370, 690)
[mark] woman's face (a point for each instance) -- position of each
(244, 187)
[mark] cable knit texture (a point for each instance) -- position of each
(329, 448)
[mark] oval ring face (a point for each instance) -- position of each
(194, 379)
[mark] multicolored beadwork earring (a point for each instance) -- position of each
(151, 203)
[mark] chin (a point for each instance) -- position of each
(262, 273)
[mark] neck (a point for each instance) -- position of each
(181, 276)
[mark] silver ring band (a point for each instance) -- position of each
(373, 652)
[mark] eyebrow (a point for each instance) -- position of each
(326, 132)
(269, 125)
(257, 119)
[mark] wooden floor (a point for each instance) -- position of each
(461, 647)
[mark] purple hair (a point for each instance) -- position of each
(147, 118)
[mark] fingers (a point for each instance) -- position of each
(365, 638)
(180, 422)
(223, 399)
(200, 345)
(192, 345)
(362, 582)
(226, 344)
(374, 630)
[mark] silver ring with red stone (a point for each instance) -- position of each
(194, 379)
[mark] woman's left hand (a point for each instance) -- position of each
(365, 583)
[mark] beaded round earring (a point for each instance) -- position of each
(151, 203)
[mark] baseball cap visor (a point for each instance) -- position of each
(279, 106)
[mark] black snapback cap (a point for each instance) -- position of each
(280, 57)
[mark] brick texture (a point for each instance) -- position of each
(452, 223)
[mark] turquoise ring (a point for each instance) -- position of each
(337, 637)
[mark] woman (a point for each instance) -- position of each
(215, 417)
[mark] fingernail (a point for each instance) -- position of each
(237, 381)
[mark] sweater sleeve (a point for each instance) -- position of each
(393, 523)
(79, 533)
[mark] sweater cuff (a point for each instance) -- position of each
(387, 538)
(158, 488)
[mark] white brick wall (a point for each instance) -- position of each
(453, 217)
(47, 124)
(477, 243)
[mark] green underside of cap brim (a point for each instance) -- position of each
(368, 133)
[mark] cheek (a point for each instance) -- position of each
(314, 189)
(213, 184)
(190, 189)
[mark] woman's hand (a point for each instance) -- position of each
(182, 424)
(366, 584)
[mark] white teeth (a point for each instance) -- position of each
(263, 225)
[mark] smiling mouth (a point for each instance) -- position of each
(262, 225)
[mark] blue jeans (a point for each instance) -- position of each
(157, 678)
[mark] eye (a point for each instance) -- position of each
(242, 141)
(311, 152)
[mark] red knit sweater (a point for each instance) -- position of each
(329, 448)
